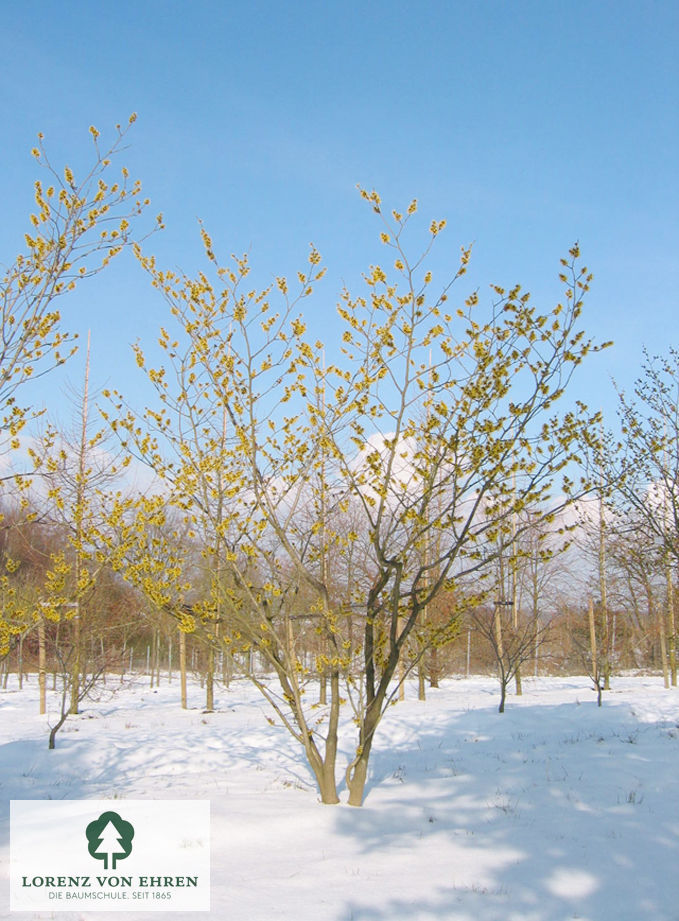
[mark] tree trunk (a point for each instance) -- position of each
(515, 606)
(153, 657)
(327, 784)
(592, 641)
(226, 668)
(517, 679)
(401, 666)
(210, 679)
(357, 772)
(434, 669)
(498, 633)
(671, 626)
(78, 524)
(421, 687)
(322, 765)
(62, 719)
(20, 660)
(54, 730)
(324, 771)
(77, 663)
(42, 676)
(607, 650)
(536, 644)
(182, 667)
(158, 658)
(663, 646)
(55, 657)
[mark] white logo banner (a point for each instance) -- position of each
(110, 855)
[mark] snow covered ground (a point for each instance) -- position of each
(554, 810)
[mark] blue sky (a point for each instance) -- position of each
(528, 125)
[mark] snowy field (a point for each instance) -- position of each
(554, 810)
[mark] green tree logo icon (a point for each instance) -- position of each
(109, 839)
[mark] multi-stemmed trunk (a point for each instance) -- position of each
(377, 691)
(323, 765)
(357, 772)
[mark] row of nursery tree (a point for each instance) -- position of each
(420, 499)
